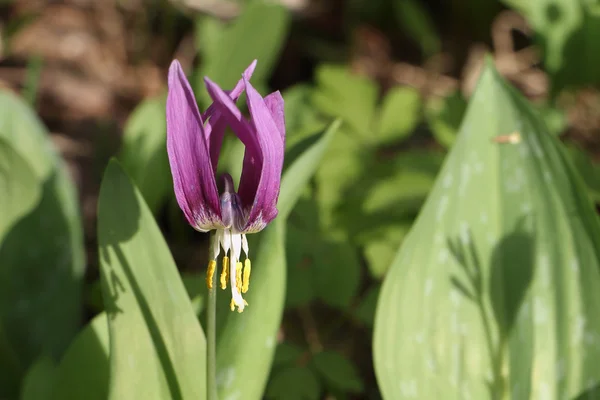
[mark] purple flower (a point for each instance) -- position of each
(194, 142)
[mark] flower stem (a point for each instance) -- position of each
(211, 345)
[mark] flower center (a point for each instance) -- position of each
(233, 243)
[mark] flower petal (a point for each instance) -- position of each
(232, 115)
(193, 177)
(215, 127)
(270, 140)
(274, 102)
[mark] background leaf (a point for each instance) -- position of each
(83, 372)
(247, 38)
(338, 371)
(244, 359)
(507, 279)
(20, 188)
(42, 256)
(144, 152)
(157, 347)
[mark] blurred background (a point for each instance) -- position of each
(397, 72)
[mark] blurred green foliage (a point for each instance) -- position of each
(471, 264)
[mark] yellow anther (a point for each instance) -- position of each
(224, 272)
(210, 273)
(238, 276)
(246, 280)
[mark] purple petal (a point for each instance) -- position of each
(274, 102)
(269, 135)
(232, 116)
(193, 177)
(215, 129)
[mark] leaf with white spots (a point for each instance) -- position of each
(495, 292)
(157, 347)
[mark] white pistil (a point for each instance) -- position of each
(234, 242)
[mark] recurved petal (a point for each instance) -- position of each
(215, 127)
(193, 177)
(274, 102)
(270, 141)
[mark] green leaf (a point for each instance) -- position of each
(246, 342)
(400, 113)
(287, 354)
(338, 371)
(503, 262)
(20, 188)
(301, 118)
(319, 266)
(381, 245)
(340, 93)
(389, 194)
(589, 171)
(294, 383)
(300, 280)
(554, 118)
(444, 116)
(39, 381)
(415, 20)
(343, 164)
(246, 39)
(42, 254)
(365, 312)
(157, 346)
(566, 31)
(195, 284)
(144, 152)
(83, 372)
(304, 167)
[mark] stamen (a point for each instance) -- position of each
(210, 273)
(238, 276)
(246, 280)
(223, 278)
(232, 305)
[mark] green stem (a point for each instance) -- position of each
(211, 345)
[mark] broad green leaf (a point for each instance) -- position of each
(246, 341)
(20, 189)
(247, 38)
(351, 97)
(83, 372)
(39, 381)
(294, 383)
(503, 263)
(400, 113)
(144, 152)
(157, 347)
(337, 371)
(42, 255)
